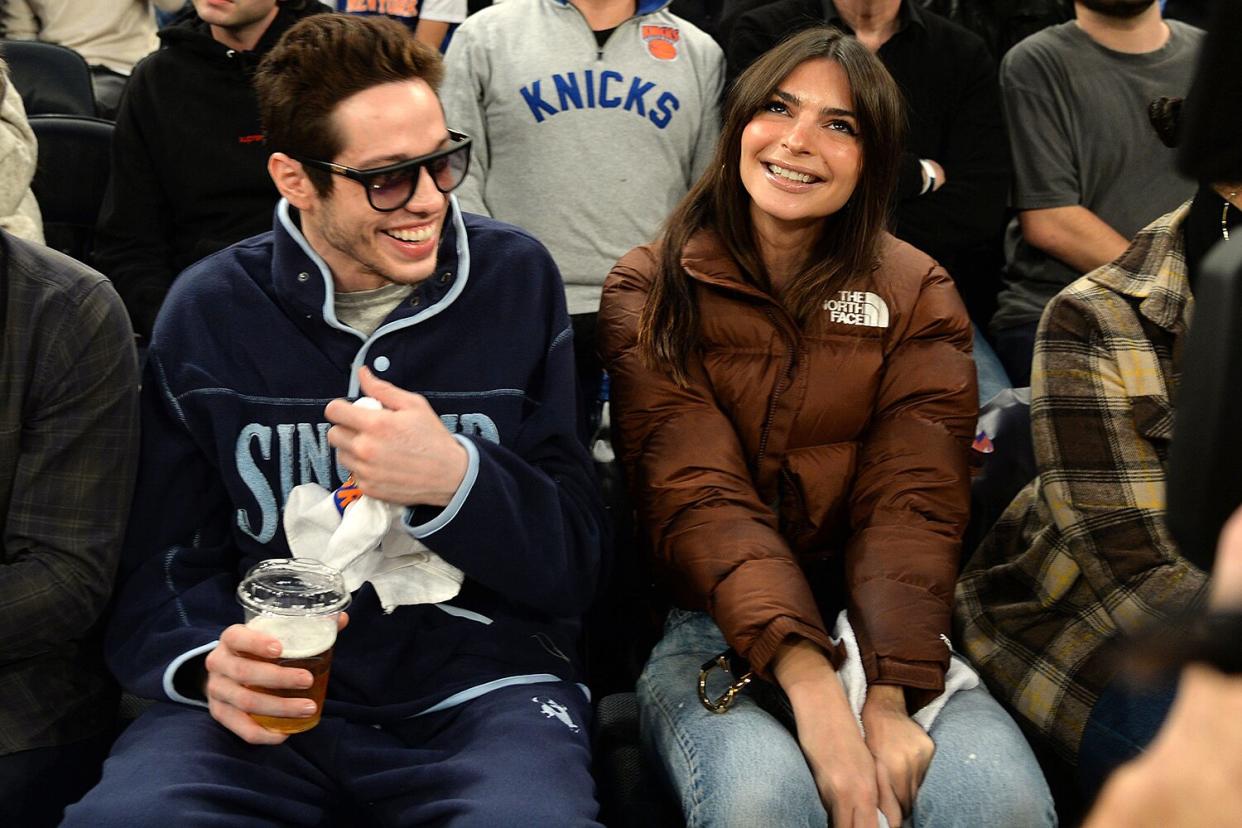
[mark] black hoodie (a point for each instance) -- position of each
(189, 166)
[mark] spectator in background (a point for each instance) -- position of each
(1003, 23)
(590, 119)
(68, 453)
(189, 172)
(431, 21)
(1084, 555)
(1088, 170)
(19, 152)
(112, 35)
(955, 172)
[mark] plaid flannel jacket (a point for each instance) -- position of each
(68, 455)
(1082, 555)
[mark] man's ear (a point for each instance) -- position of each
(291, 180)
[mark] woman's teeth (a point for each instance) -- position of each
(801, 178)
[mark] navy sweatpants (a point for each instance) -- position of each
(516, 756)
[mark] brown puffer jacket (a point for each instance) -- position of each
(805, 468)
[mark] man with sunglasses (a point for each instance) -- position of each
(372, 282)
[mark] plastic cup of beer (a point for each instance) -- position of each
(296, 601)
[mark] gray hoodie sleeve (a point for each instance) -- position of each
(465, 73)
(709, 128)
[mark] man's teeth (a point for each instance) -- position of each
(419, 235)
(801, 178)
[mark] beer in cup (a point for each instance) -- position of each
(296, 601)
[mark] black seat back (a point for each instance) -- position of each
(70, 179)
(52, 79)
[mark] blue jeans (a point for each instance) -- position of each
(1122, 724)
(745, 767)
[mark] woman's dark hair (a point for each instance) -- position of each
(848, 244)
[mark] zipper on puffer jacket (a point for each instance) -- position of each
(791, 349)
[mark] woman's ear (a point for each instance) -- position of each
(291, 181)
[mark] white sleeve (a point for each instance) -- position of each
(444, 11)
(20, 22)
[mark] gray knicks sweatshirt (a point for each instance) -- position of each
(587, 148)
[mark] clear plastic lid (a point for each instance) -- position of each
(293, 586)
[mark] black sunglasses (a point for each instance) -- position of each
(390, 188)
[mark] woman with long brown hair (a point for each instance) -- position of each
(794, 396)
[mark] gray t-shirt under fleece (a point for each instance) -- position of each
(366, 310)
(1078, 126)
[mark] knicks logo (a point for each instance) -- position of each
(661, 41)
(857, 307)
(345, 496)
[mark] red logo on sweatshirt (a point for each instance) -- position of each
(661, 41)
(249, 139)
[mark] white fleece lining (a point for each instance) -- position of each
(170, 673)
(458, 612)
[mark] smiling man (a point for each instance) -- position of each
(466, 711)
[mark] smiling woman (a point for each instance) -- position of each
(793, 394)
(801, 159)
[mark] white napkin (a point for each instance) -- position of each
(960, 676)
(366, 540)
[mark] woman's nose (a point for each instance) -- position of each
(798, 136)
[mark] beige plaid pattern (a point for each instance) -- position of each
(1083, 556)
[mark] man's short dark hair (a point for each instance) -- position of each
(321, 61)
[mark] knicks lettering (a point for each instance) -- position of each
(605, 90)
(665, 32)
(271, 460)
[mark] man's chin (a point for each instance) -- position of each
(407, 274)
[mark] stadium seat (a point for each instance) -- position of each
(70, 179)
(52, 79)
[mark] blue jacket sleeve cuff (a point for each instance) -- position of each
(421, 524)
(170, 674)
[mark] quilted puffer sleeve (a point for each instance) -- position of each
(911, 495)
(694, 492)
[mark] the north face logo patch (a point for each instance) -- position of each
(857, 307)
